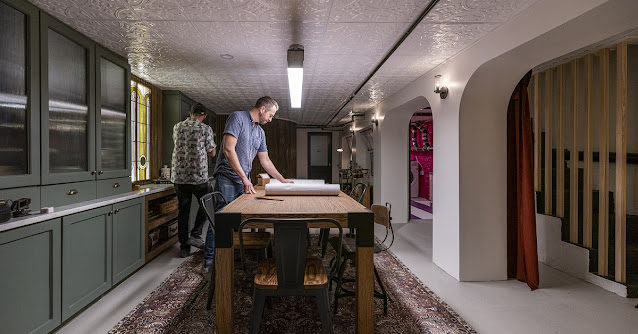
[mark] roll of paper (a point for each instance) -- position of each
(310, 189)
(301, 181)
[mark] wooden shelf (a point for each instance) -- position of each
(159, 248)
(156, 221)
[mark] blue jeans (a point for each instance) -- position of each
(230, 190)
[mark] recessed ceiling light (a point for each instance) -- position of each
(226, 56)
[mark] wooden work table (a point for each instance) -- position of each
(342, 208)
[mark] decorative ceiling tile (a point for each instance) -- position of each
(342, 38)
(355, 10)
(406, 66)
(401, 11)
(380, 38)
(276, 37)
(268, 10)
(206, 10)
(63, 10)
(477, 10)
(106, 9)
(228, 53)
(151, 10)
(223, 37)
(446, 39)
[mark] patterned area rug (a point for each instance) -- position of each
(178, 305)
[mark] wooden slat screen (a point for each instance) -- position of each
(621, 162)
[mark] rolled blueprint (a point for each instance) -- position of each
(311, 189)
(301, 181)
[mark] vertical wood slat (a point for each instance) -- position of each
(548, 143)
(573, 160)
(603, 205)
(560, 156)
(537, 134)
(588, 156)
(621, 162)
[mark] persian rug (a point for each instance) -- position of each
(178, 305)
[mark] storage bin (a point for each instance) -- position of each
(168, 230)
(153, 239)
(168, 206)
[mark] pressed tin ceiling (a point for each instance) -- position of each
(182, 45)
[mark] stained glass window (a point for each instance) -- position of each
(140, 131)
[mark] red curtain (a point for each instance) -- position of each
(522, 257)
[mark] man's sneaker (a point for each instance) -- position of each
(206, 272)
(196, 242)
(184, 252)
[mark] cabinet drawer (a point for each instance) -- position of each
(67, 193)
(112, 187)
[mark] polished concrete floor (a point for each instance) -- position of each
(562, 304)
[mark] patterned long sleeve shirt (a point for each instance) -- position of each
(193, 140)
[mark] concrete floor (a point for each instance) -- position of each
(562, 304)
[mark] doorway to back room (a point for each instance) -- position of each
(421, 165)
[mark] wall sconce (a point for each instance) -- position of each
(339, 150)
(352, 128)
(375, 120)
(441, 90)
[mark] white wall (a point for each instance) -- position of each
(302, 153)
(469, 127)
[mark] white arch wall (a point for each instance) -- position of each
(469, 127)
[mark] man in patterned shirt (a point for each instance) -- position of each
(193, 144)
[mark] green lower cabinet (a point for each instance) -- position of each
(30, 278)
(86, 258)
(128, 238)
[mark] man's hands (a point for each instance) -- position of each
(248, 186)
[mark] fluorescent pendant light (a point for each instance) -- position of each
(295, 82)
(295, 74)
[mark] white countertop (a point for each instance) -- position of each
(66, 210)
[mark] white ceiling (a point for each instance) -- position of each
(177, 44)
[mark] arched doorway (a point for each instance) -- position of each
(420, 165)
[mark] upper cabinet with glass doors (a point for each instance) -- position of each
(67, 102)
(113, 78)
(19, 95)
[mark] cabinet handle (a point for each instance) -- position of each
(93, 172)
(72, 192)
(110, 213)
(116, 185)
(100, 172)
(116, 211)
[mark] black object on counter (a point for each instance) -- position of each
(5, 212)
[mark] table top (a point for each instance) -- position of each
(336, 207)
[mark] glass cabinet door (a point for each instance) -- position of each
(113, 115)
(67, 104)
(19, 93)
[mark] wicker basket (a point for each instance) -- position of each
(168, 206)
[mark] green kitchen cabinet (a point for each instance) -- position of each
(128, 238)
(67, 88)
(30, 264)
(20, 91)
(113, 110)
(86, 258)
